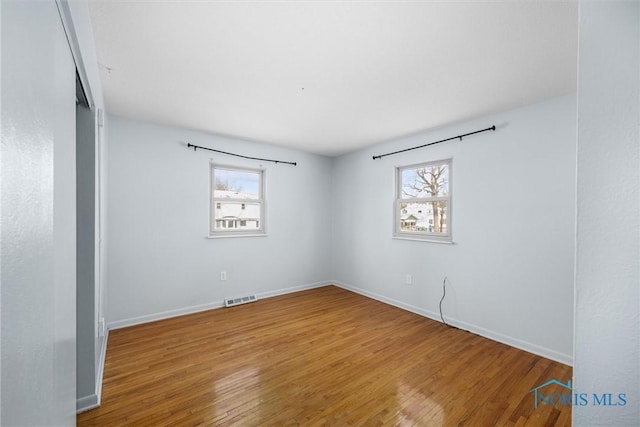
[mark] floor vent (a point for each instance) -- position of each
(230, 302)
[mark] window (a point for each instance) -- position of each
(237, 201)
(423, 201)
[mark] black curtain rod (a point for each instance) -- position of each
(433, 143)
(195, 147)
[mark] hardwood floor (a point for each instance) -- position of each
(319, 357)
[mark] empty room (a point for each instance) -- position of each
(320, 213)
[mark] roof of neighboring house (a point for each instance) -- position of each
(227, 194)
(420, 212)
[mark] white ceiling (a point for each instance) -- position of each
(330, 77)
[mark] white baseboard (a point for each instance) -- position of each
(293, 289)
(204, 307)
(101, 362)
(139, 320)
(87, 403)
(92, 401)
(495, 336)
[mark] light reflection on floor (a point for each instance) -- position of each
(417, 409)
(245, 381)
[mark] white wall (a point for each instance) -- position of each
(510, 270)
(607, 343)
(160, 261)
(37, 218)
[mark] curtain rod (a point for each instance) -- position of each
(433, 143)
(195, 147)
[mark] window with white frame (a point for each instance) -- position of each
(423, 201)
(237, 201)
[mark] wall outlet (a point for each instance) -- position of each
(223, 275)
(409, 280)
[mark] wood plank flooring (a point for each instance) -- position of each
(323, 357)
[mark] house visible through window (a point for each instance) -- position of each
(238, 197)
(423, 201)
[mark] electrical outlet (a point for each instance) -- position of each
(223, 275)
(409, 280)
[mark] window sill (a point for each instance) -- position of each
(419, 239)
(224, 236)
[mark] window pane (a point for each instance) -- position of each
(236, 184)
(232, 217)
(424, 217)
(426, 181)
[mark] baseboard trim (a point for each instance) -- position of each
(495, 336)
(139, 320)
(101, 362)
(87, 403)
(92, 401)
(293, 289)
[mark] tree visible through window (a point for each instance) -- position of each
(237, 201)
(423, 201)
